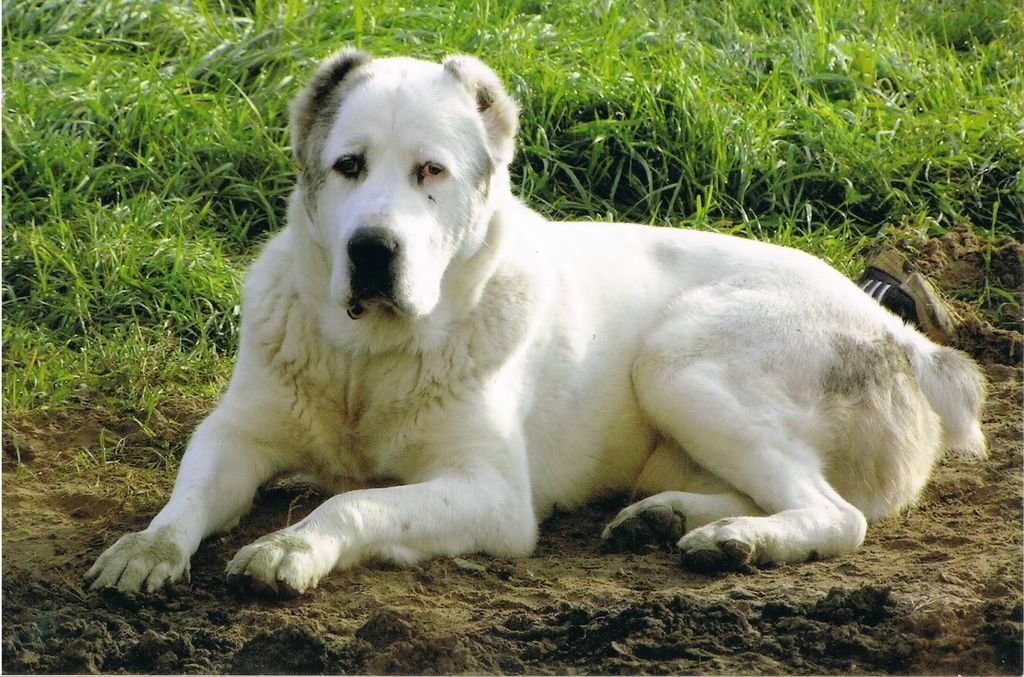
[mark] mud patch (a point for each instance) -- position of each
(935, 590)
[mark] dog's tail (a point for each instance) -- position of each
(955, 388)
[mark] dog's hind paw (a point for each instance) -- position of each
(640, 525)
(731, 555)
(711, 549)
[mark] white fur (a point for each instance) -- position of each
(524, 365)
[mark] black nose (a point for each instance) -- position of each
(373, 256)
(372, 250)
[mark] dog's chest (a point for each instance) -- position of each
(365, 418)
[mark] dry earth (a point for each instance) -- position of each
(937, 590)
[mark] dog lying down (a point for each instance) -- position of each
(415, 323)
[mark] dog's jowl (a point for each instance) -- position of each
(414, 321)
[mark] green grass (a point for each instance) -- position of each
(145, 147)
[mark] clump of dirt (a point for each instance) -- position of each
(935, 590)
(293, 650)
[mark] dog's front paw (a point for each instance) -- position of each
(279, 564)
(142, 560)
(716, 547)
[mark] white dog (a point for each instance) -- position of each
(418, 330)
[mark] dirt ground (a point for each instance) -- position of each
(937, 590)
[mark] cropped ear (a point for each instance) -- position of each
(315, 100)
(499, 112)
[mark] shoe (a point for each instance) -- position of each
(892, 281)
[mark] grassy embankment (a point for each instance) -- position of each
(145, 159)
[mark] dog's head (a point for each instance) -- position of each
(399, 161)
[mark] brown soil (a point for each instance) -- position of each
(938, 589)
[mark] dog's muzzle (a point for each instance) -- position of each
(373, 256)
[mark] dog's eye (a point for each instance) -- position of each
(350, 166)
(429, 170)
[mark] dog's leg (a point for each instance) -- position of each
(742, 429)
(219, 475)
(454, 513)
